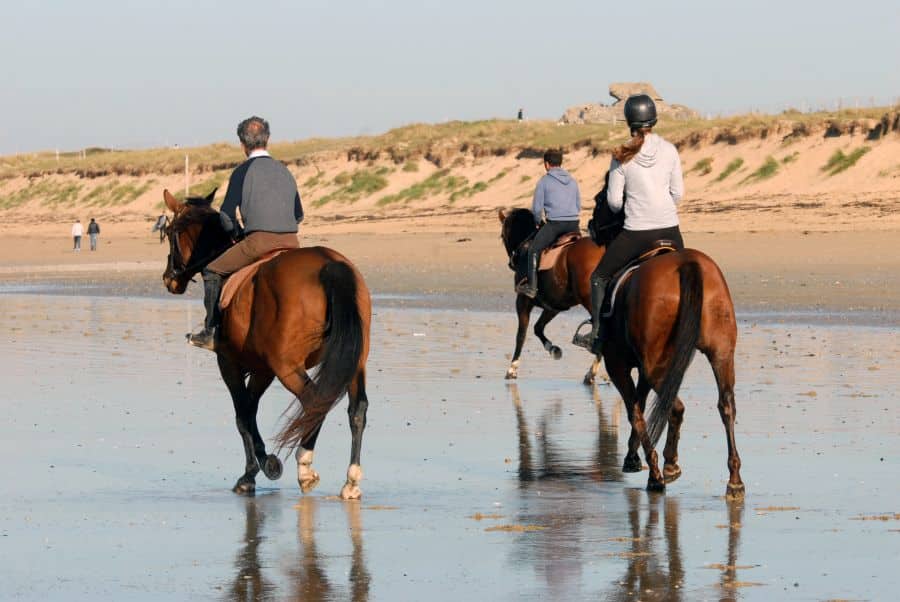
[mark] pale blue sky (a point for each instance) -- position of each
(137, 74)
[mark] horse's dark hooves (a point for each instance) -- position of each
(671, 472)
(244, 487)
(734, 492)
(632, 464)
(555, 352)
(655, 486)
(272, 467)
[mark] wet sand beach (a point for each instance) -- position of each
(125, 451)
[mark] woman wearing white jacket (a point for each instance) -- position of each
(645, 178)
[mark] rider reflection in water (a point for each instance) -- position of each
(556, 206)
(645, 178)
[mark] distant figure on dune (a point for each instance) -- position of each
(521, 114)
(266, 194)
(93, 233)
(77, 233)
(161, 222)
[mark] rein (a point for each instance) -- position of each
(195, 265)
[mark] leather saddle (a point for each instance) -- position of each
(660, 247)
(548, 257)
(234, 281)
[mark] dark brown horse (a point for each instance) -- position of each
(566, 286)
(306, 307)
(674, 304)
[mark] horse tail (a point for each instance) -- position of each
(686, 335)
(342, 347)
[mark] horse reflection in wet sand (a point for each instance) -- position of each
(305, 308)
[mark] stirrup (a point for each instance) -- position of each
(583, 340)
(523, 288)
(205, 339)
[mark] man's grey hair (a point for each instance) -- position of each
(253, 133)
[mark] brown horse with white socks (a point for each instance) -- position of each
(674, 304)
(303, 308)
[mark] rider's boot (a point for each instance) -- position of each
(212, 288)
(529, 288)
(598, 325)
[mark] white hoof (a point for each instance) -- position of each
(307, 478)
(513, 372)
(351, 490)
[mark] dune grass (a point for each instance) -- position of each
(703, 167)
(732, 167)
(839, 162)
(440, 182)
(411, 166)
(48, 192)
(765, 171)
(115, 193)
(790, 158)
(354, 186)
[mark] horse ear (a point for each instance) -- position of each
(211, 196)
(171, 202)
(501, 213)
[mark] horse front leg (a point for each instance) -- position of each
(356, 412)
(547, 315)
(523, 310)
(671, 470)
(256, 386)
(233, 375)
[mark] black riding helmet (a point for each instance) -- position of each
(640, 111)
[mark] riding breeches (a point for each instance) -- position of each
(631, 244)
(253, 247)
(548, 233)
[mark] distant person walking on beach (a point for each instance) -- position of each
(521, 114)
(93, 233)
(266, 194)
(77, 232)
(160, 225)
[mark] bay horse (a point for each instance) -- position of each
(565, 286)
(305, 307)
(674, 304)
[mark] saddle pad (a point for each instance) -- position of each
(551, 253)
(234, 282)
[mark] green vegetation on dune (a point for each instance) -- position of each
(439, 182)
(765, 171)
(115, 193)
(839, 162)
(790, 158)
(354, 186)
(732, 167)
(202, 189)
(48, 192)
(702, 167)
(411, 166)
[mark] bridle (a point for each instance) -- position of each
(177, 267)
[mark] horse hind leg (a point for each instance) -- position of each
(632, 462)
(671, 469)
(356, 412)
(723, 368)
(547, 315)
(307, 477)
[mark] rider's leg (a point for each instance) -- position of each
(541, 240)
(212, 288)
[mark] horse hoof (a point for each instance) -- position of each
(655, 486)
(511, 375)
(350, 492)
(632, 464)
(555, 352)
(308, 484)
(272, 467)
(671, 472)
(734, 492)
(244, 487)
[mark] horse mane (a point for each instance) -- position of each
(518, 225)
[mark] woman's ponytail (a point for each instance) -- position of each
(626, 152)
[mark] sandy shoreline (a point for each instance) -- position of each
(464, 263)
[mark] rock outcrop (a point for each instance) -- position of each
(611, 113)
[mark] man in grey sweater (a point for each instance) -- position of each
(266, 194)
(556, 207)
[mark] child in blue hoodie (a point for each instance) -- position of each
(556, 207)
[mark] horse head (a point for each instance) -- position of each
(196, 236)
(516, 226)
